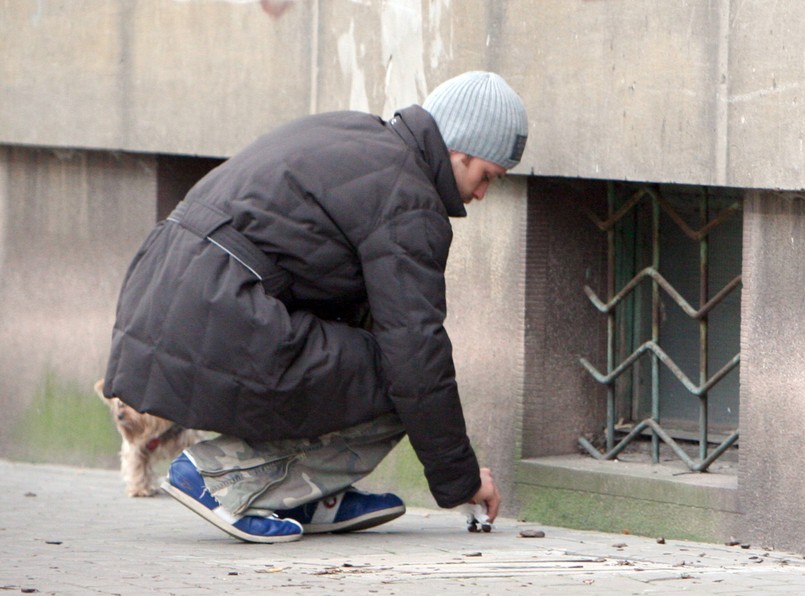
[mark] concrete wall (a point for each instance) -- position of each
(773, 369)
(565, 252)
(687, 91)
(70, 222)
(486, 275)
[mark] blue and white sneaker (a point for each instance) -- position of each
(185, 484)
(346, 512)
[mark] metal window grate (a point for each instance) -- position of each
(653, 199)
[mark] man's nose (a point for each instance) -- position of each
(480, 192)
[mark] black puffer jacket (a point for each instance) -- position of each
(356, 210)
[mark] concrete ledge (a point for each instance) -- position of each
(651, 500)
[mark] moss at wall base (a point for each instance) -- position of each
(606, 513)
(402, 473)
(65, 424)
(644, 499)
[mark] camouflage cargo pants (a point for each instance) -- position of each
(262, 478)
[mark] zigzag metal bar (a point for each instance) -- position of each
(656, 276)
(704, 231)
(653, 347)
(612, 453)
(606, 224)
(695, 466)
(701, 236)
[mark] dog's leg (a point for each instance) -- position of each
(135, 465)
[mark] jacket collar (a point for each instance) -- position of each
(419, 131)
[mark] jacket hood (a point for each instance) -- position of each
(419, 130)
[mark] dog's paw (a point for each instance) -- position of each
(141, 491)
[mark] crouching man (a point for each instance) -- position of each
(294, 303)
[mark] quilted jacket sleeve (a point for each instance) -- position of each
(403, 264)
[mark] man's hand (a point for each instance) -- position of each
(488, 494)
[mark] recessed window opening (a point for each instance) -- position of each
(672, 313)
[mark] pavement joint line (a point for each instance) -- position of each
(103, 542)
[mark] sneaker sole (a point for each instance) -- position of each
(362, 522)
(207, 514)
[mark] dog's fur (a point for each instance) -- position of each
(146, 440)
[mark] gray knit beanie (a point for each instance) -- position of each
(480, 115)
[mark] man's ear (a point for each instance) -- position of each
(458, 156)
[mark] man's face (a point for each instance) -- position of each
(473, 175)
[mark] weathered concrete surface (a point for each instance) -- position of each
(184, 77)
(101, 542)
(701, 92)
(485, 297)
(630, 493)
(773, 368)
(565, 252)
(70, 222)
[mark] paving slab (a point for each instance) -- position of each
(66, 531)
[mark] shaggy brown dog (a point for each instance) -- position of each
(146, 440)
